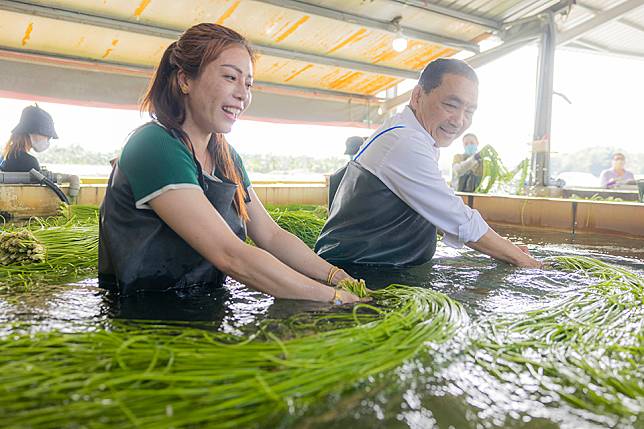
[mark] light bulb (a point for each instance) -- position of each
(399, 44)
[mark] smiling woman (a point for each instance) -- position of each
(179, 202)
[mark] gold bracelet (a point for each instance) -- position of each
(332, 272)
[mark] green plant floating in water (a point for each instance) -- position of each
(71, 252)
(152, 376)
(19, 248)
(78, 213)
(356, 287)
(70, 242)
(587, 347)
(305, 224)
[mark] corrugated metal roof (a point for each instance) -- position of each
(264, 24)
(622, 35)
(499, 10)
(332, 46)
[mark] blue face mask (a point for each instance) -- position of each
(470, 149)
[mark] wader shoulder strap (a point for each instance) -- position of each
(374, 139)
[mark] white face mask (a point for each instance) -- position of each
(39, 143)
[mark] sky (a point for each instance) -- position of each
(606, 93)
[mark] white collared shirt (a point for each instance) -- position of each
(406, 161)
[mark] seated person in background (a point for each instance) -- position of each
(467, 168)
(352, 145)
(34, 131)
(616, 176)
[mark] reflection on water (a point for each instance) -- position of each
(438, 389)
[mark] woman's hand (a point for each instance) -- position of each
(193, 218)
(346, 297)
(339, 276)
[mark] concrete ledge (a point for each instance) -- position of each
(567, 216)
(572, 216)
(292, 194)
(25, 201)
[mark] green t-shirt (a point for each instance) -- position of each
(154, 162)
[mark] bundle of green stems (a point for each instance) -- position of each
(68, 243)
(19, 248)
(152, 375)
(494, 171)
(586, 347)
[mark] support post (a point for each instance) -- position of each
(540, 164)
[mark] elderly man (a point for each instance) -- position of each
(392, 197)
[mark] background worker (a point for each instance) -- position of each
(352, 145)
(34, 131)
(617, 175)
(467, 168)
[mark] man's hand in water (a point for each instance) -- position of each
(500, 248)
(523, 248)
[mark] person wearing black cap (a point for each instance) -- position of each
(35, 129)
(352, 145)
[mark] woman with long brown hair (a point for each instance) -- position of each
(35, 129)
(179, 202)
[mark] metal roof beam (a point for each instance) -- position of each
(35, 9)
(65, 61)
(474, 61)
(527, 7)
(523, 35)
(625, 21)
(335, 62)
(587, 45)
(452, 13)
(499, 51)
(173, 34)
(600, 19)
(606, 50)
(367, 22)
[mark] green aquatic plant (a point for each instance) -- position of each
(586, 347)
(20, 247)
(152, 375)
(319, 211)
(71, 252)
(494, 171)
(356, 287)
(70, 243)
(596, 197)
(79, 213)
(305, 224)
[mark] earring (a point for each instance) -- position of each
(184, 89)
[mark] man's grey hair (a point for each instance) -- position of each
(432, 75)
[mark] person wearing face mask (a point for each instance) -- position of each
(467, 168)
(617, 175)
(392, 198)
(34, 131)
(179, 203)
